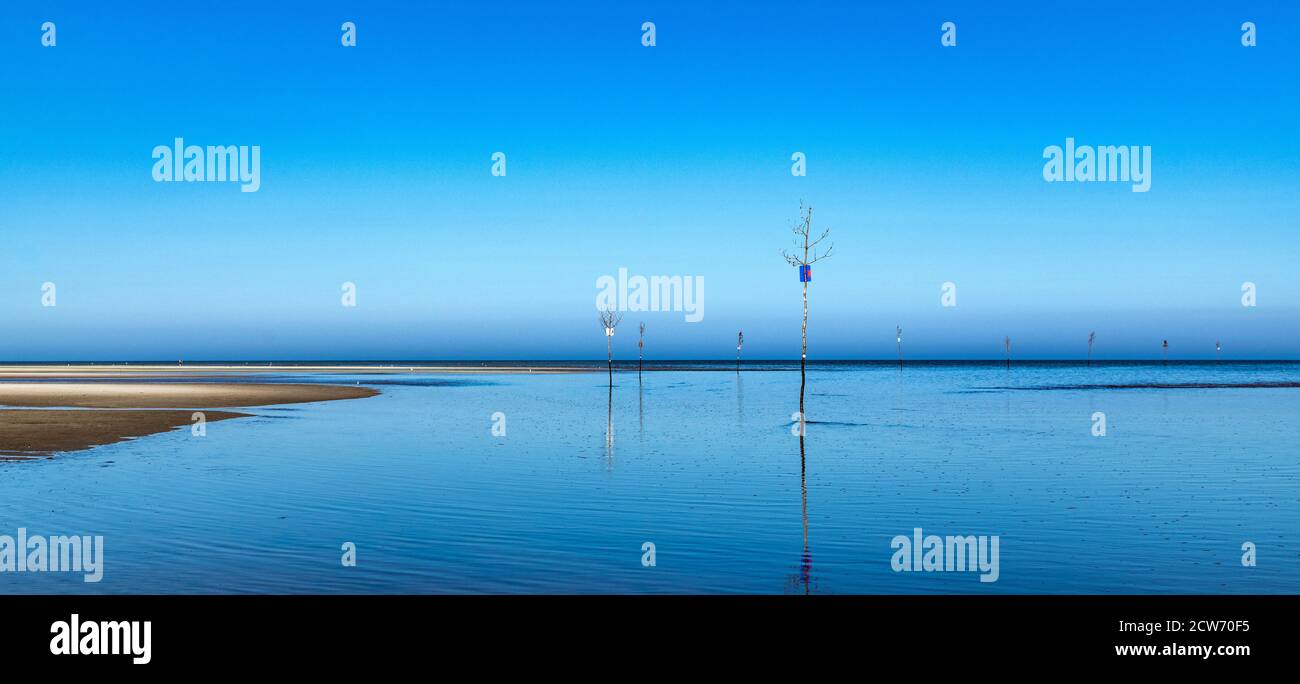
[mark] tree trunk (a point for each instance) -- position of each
(803, 357)
(609, 356)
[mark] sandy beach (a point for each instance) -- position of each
(105, 403)
(90, 413)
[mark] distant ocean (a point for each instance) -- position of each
(704, 466)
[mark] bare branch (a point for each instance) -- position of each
(825, 233)
(803, 229)
(819, 257)
(609, 319)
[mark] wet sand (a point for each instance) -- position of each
(86, 419)
(173, 395)
(35, 433)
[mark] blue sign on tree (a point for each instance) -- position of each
(805, 274)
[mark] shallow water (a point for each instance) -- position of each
(703, 464)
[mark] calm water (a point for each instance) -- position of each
(705, 466)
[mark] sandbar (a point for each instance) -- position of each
(68, 416)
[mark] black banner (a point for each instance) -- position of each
(219, 633)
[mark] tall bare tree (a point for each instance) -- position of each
(802, 231)
(609, 319)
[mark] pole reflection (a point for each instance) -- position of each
(803, 580)
(740, 400)
(609, 427)
(805, 562)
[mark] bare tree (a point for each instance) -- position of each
(640, 353)
(1092, 337)
(609, 319)
(740, 342)
(804, 263)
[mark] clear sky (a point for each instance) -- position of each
(925, 161)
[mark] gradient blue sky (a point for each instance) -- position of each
(925, 161)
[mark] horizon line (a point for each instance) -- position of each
(646, 362)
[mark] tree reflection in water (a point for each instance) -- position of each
(803, 581)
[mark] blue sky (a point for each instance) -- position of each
(925, 161)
